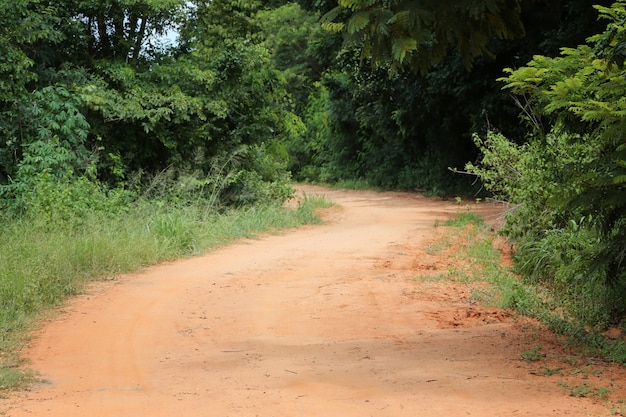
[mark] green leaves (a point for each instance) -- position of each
(22, 23)
(401, 47)
(127, 30)
(571, 182)
(357, 22)
(418, 34)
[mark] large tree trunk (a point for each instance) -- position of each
(103, 35)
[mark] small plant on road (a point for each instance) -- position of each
(533, 354)
(586, 390)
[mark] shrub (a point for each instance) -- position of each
(566, 184)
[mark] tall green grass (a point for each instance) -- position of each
(43, 262)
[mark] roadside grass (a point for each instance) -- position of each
(346, 184)
(586, 390)
(354, 184)
(41, 263)
(465, 218)
(473, 242)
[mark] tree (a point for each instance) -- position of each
(418, 34)
(299, 48)
(405, 128)
(570, 177)
(215, 21)
(111, 99)
(122, 30)
(23, 24)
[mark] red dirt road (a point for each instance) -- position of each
(322, 321)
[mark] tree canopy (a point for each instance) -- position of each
(109, 97)
(419, 34)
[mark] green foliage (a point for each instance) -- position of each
(528, 176)
(120, 30)
(261, 178)
(52, 147)
(555, 247)
(296, 42)
(365, 125)
(397, 129)
(241, 74)
(464, 218)
(13, 378)
(533, 355)
(47, 256)
(23, 24)
(58, 201)
(586, 390)
(566, 185)
(107, 100)
(220, 20)
(475, 245)
(418, 34)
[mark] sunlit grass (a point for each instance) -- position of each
(42, 264)
(481, 261)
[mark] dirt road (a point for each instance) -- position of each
(322, 321)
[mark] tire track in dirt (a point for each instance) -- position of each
(320, 321)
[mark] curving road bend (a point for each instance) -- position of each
(321, 321)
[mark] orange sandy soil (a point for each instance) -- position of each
(331, 320)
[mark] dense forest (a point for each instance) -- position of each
(109, 90)
(230, 100)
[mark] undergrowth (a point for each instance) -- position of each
(45, 259)
(474, 243)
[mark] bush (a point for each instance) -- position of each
(567, 183)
